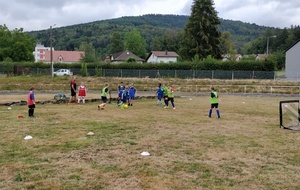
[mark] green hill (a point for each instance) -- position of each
(150, 26)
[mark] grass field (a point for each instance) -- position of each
(245, 149)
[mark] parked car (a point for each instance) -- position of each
(63, 72)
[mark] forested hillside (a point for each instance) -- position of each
(151, 27)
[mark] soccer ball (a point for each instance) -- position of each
(125, 106)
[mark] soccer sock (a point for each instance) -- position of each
(83, 100)
(210, 112)
(218, 112)
(167, 103)
(173, 105)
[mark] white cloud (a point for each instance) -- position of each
(39, 15)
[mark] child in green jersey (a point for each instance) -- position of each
(214, 101)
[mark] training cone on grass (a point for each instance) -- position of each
(145, 153)
(28, 137)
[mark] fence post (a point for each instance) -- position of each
(232, 75)
(252, 75)
(271, 89)
(175, 74)
(121, 73)
(139, 73)
(245, 89)
(212, 74)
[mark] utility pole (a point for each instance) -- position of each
(268, 43)
(51, 52)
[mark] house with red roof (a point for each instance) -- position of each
(43, 54)
(162, 57)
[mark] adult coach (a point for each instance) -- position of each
(73, 90)
(214, 101)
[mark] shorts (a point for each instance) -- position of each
(32, 106)
(73, 93)
(216, 105)
(131, 97)
(104, 99)
(166, 97)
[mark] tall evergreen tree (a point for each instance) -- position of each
(201, 34)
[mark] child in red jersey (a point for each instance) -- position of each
(31, 102)
(82, 93)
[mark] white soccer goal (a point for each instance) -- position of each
(289, 114)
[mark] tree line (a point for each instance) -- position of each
(194, 37)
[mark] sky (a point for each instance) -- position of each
(34, 15)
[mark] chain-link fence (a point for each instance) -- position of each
(130, 73)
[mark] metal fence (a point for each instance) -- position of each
(184, 74)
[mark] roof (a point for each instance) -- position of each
(67, 56)
(124, 55)
(163, 54)
(292, 45)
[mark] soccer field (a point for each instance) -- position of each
(245, 149)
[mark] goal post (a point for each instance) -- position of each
(289, 114)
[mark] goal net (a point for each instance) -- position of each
(289, 114)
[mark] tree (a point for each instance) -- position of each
(135, 43)
(116, 43)
(16, 45)
(201, 34)
(226, 44)
(89, 52)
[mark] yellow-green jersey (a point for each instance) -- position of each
(214, 97)
(171, 93)
(165, 91)
(104, 92)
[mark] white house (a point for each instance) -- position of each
(292, 61)
(162, 57)
(40, 52)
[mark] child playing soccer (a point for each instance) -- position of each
(105, 91)
(159, 93)
(214, 101)
(165, 96)
(124, 97)
(171, 96)
(132, 93)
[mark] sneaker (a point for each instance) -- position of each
(166, 107)
(209, 116)
(174, 108)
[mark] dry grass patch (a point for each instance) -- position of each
(245, 149)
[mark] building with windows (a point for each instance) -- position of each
(43, 54)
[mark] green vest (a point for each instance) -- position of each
(165, 91)
(103, 93)
(170, 93)
(214, 100)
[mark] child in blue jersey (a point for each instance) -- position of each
(132, 93)
(121, 87)
(124, 97)
(159, 93)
